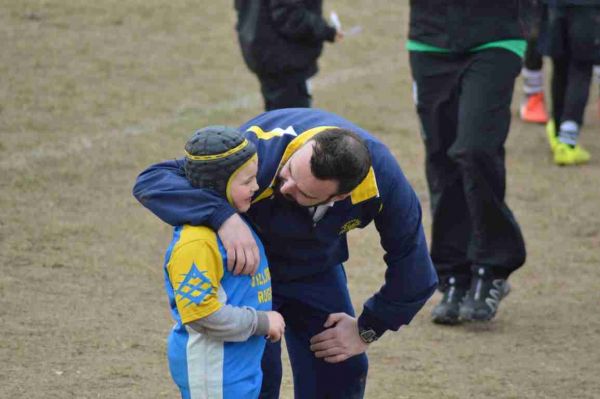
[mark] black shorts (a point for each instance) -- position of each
(571, 31)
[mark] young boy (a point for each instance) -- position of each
(216, 345)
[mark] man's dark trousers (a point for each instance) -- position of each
(463, 102)
(305, 305)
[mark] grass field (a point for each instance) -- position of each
(93, 92)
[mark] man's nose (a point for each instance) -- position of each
(287, 187)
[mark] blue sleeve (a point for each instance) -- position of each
(410, 278)
(165, 191)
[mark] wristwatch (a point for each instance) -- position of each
(367, 334)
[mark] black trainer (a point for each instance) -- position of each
(447, 310)
(482, 301)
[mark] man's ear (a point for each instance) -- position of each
(340, 197)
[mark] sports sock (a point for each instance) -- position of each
(568, 133)
(596, 73)
(533, 81)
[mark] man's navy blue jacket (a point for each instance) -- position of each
(294, 244)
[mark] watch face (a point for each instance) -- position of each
(368, 335)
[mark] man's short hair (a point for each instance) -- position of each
(340, 155)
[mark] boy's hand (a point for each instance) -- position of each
(242, 251)
(276, 326)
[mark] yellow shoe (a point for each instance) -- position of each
(564, 154)
(551, 134)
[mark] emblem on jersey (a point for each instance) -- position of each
(352, 224)
(277, 132)
(195, 286)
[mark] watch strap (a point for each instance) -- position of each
(368, 322)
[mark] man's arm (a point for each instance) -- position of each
(294, 21)
(410, 278)
(165, 191)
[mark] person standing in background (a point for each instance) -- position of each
(533, 106)
(465, 57)
(570, 35)
(281, 41)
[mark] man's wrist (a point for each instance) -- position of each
(367, 335)
(220, 215)
(370, 329)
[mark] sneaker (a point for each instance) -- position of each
(446, 311)
(483, 298)
(565, 154)
(533, 109)
(551, 134)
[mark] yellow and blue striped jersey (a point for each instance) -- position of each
(198, 284)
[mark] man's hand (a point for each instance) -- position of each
(339, 341)
(276, 326)
(242, 251)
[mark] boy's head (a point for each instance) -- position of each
(221, 159)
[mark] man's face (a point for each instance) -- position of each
(296, 182)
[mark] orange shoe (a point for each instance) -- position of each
(533, 109)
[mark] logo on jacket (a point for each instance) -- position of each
(195, 286)
(352, 224)
(277, 132)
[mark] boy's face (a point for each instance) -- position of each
(243, 186)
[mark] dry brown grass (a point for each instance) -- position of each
(92, 92)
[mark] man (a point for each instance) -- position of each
(281, 41)
(319, 177)
(464, 58)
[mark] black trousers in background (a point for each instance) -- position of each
(570, 89)
(533, 58)
(571, 36)
(285, 91)
(463, 102)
